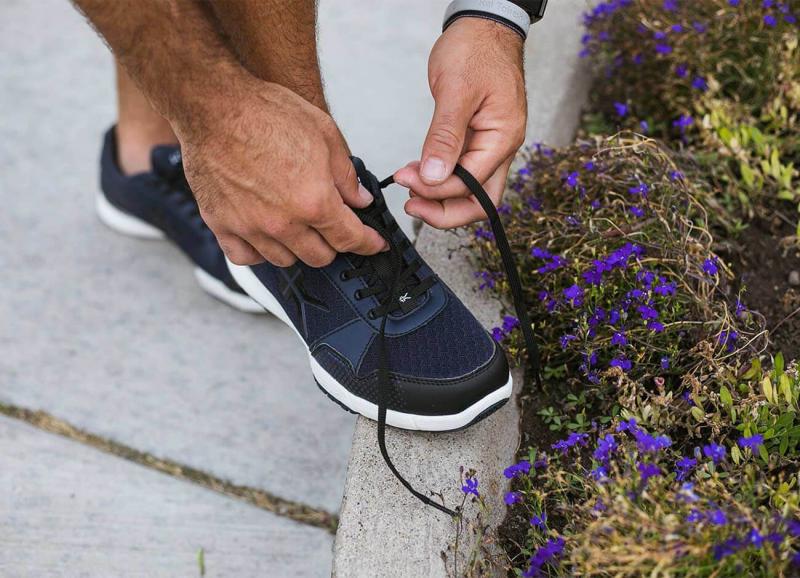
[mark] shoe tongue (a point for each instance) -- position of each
(166, 161)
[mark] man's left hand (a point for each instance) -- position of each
(477, 80)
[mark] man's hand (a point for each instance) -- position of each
(476, 77)
(273, 179)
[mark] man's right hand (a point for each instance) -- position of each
(273, 179)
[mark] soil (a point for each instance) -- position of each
(767, 264)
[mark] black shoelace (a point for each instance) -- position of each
(400, 280)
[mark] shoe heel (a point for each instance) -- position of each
(123, 223)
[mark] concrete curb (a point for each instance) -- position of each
(383, 530)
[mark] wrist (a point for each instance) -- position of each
(504, 12)
(471, 28)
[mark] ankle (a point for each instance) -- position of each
(135, 144)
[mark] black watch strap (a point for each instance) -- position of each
(534, 8)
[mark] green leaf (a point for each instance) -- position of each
(779, 363)
(736, 454)
(762, 451)
(766, 385)
(747, 174)
(698, 413)
(725, 396)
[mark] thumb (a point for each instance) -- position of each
(445, 139)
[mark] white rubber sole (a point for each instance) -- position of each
(248, 281)
(129, 225)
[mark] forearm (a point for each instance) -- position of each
(171, 50)
(276, 41)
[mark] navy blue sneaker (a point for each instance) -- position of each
(160, 205)
(386, 338)
(444, 370)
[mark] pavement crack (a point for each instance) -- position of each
(296, 511)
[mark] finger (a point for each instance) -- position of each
(345, 232)
(239, 251)
(446, 214)
(446, 136)
(450, 213)
(309, 246)
(274, 251)
(346, 182)
(485, 152)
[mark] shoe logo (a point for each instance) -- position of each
(175, 158)
(404, 297)
(294, 289)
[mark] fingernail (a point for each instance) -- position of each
(364, 195)
(434, 169)
(385, 247)
(400, 180)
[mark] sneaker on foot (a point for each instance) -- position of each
(160, 205)
(444, 370)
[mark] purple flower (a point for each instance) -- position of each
(510, 323)
(711, 266)
(676, 176)
(565, 339)
(681, 70)
(619, 339)
(589, 166)
(728, 339)
(622, 363)
(683, 468)
(650, 444)
(753, 442)
(734, 2)
(512, 498)
(665, 363)
(644, 126)
(663, 48)
(605, 447)
(622, 109)
(572, 179)
(683, 122)
(671, 5)
(520, 468)
(655, 326)
(540, 253)
(699, 27)
(695, 516)
(665, 289)
(547, 553)
(540, 521)
(498, 335)
(640, 189)
(648, 471)
(471, 486)
(574, 295)
(770, 20)
(637, 211)
(717, 517)
(677, 28)
(481, 233)
(599, 473)
(571, 440)
(715, 451)
(647, 312)
(700, 83)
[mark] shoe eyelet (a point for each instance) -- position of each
(343, 276)
(371, 314)
(358, 295)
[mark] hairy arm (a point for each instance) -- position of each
(270, 171)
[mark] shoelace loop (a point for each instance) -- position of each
(390, 300)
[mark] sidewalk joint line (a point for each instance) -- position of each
(261, 499)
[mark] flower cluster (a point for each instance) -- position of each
(718, 76)
(613, 292)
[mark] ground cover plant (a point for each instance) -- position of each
(665, 442)
(719, 77)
